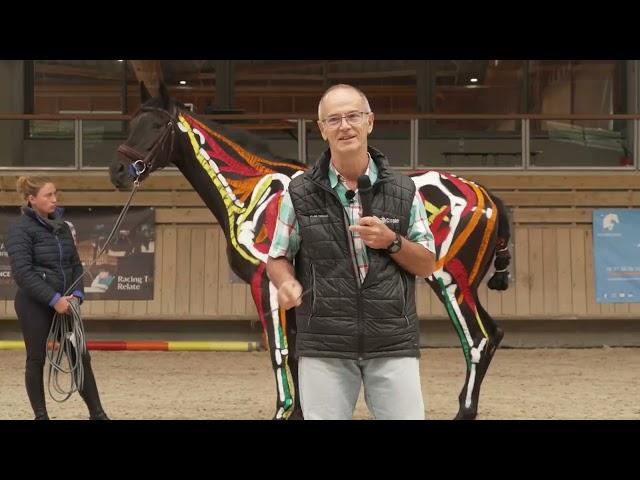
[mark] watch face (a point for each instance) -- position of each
(395, 245)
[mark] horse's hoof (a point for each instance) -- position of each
(466, 414)
(296, 415)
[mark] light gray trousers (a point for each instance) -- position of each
(329, 388)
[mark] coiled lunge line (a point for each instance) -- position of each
(66, 347)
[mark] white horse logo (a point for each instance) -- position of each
(609, 221)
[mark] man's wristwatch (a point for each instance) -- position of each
(395, 245)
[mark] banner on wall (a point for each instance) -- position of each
(125, 271)
(616, 255)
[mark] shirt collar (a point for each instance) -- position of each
(335, 177)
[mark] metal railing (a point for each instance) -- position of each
(564, 132)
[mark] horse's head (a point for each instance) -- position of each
(151, 142)
(233, 171)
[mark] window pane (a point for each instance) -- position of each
(53, 147)
(476, 87)
(100, 140)
(77, 86)
(564, 143)
(68, 87)
(295, 86)
(468, 150)
(193, 82)
(578, 87)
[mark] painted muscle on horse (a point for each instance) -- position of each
(241, 182)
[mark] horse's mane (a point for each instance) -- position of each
(249, 141)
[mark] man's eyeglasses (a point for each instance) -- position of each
(352, 118)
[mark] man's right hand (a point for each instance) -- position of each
(62, 305)
(290, 294)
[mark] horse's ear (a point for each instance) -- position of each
(164, 95)
(144, 94)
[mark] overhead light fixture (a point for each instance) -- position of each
(473, 80)
(182, 82)
(121, 60)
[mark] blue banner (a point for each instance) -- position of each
(616, 255)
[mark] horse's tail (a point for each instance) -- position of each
(500, 279)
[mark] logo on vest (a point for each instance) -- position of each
(389, 220)
(321, 215)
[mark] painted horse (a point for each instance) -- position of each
(241, 182)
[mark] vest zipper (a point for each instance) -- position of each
(313, 293)
(404, 298)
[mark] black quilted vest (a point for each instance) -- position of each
(339, 317)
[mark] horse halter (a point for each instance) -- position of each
(141, 163)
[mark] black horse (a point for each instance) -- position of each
(241, 182)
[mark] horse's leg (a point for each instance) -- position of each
(272, 319)
(477, 332)
(480, 320)
(495, 338)
(481, 356)
(296, 414)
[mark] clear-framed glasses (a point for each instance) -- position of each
(352, 118)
